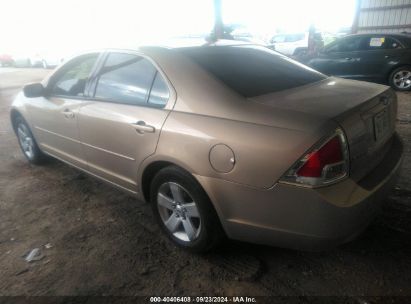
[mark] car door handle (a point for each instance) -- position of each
(68, 113)
(348, 58)
(142, 127)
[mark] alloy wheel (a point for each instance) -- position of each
(26, 140)
(178, 212)
(402, 79)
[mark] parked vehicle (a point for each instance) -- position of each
(45, 61)
(226, 139)
(6, 60)
(247, 36)
(290, 44)
(237, 32)
(42, 60)
(382, 58)
(21, 60)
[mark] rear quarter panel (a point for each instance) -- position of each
(262, 153)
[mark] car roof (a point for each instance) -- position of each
(164, 45)
(201, 44)
(403, 38)
(395, 35)
(181, 43)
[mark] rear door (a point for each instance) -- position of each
(120, 127)
(342, 58)
(55, 116)
(380, 52)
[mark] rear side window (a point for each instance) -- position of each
(159, 93)
(381, 43)
(129, 79)
(71, 81)
(252, 70)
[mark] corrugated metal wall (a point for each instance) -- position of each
(386, 16)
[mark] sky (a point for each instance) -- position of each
(67, 26)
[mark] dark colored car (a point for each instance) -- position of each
(382, 58)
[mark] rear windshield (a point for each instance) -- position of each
(252, 70)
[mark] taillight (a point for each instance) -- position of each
(324, 164)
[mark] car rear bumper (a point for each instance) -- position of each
(304, 218)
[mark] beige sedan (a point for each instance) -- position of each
(224, 140)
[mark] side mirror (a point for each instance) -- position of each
(33, 90)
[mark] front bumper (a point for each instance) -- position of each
(304, 218)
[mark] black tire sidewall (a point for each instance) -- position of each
(211, 231)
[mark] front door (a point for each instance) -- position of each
(342, 58)
(121, 126)
(55, 116)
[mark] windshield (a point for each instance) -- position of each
(252, 70)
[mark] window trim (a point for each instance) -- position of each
(55, 77)
(95, 77)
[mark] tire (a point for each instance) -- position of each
(28, 144)
(179, 202)
(400, 78)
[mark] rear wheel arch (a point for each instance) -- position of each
(150, 171)
(163, 173)
(392, 69)
(148, 174)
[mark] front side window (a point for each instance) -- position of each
(351, 44)
(71, 82)
(129, 79)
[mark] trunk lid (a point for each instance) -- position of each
(365, 111)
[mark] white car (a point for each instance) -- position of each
(44, 60)
(246, 37)
(288, 44)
